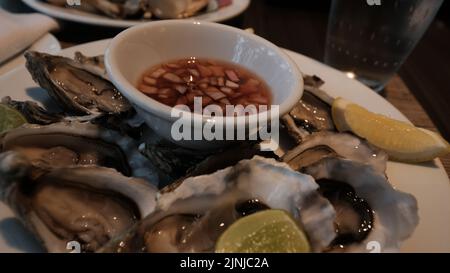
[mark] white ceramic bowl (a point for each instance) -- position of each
(136, 49)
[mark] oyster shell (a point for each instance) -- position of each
(351, 174)
(177, 163)
(87, 204)
(76, 90)
(73, 143)
(173, 9)
(395, 213)
(34, 113)
(95, 64)
(312, 113)
(191, 217)
(326, 144)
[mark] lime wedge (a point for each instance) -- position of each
(10, 118)
(268, 231)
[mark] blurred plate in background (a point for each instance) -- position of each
(72, 14)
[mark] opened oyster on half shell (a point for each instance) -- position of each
(312, 113)
(77, 90)
(351, 175)
(73, 143)
(191, 217)
(87, 204)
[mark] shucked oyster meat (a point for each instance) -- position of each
(312, 113)
(76, 90)
(191, 217)
(351, 175)
(73, 143)
(326, 144)
(87, 204)
(395, 213)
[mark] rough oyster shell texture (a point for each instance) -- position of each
(190, 217)
(76, 90)
(87, 204)
(73, 143)
(343, 158)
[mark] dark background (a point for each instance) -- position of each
(301, 26)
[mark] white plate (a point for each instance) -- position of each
(72, 14)
(48, 43)
(428, 183)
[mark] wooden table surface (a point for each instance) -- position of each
(422, 83)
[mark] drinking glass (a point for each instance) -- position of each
(370, 39)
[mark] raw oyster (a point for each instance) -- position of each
(34, 113)
(191, 217)
(89, 204)
(312, 113)
(325, 144)
(76, 90)
(171, 160)
(95, 64)
(352, 176)
(73, 143)
(174, 162)
(172, 9)
(379, 213)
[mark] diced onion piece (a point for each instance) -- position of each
(158, 73)
(149, 81)
(236, 95)
(181, 88)
(232, 75)
(228, 91)
(198, 93)
(215, 93)
(232, 84)
(173, 66)
(217, 71)
(180, 71)
(225, 101)
(194, 72)
(213, 81)
(149, 90)
(172, 77)
(166, 93)
(206, 101)
(204, 80)
(204, 71)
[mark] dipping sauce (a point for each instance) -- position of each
(216, 82)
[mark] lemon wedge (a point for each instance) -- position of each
(402, 141)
